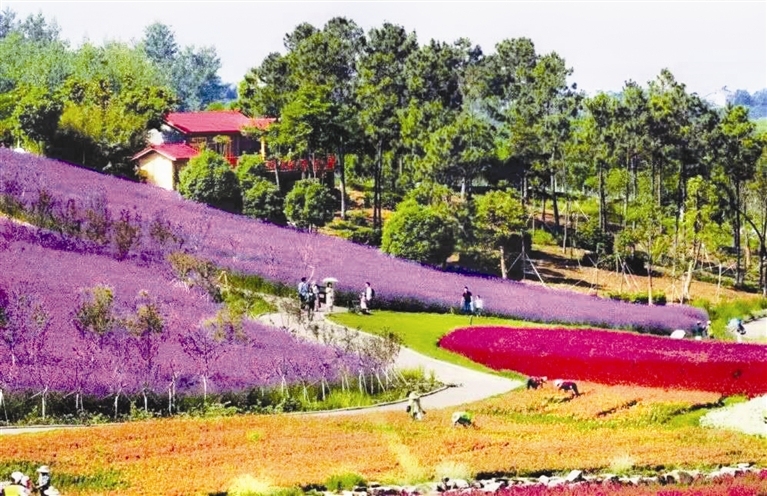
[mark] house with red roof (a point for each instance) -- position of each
(185, 134)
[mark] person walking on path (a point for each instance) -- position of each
(479, 306)
(303, 291)
(466, 308)
(316, 296)
(330, 297)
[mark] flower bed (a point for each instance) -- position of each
(612, 357)
(201, 456)
(286, 255)
(43, 349)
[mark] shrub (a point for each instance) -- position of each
(592, 238)
(263, 201)
(419, 233)
(543, 238)
(640, 297)
(310, 204)
(250, 168)
(347, 482)
(209, 179)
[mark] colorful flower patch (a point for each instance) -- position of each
(202, 456)
(612, 357)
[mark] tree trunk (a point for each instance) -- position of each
(687, 282)
(566, 225)
(377, 186)
(602, 198)
(504, 273)
(554, 203)
(342, 180)
(649, 281)
(277, 172)
(736, 237)
(524, 189)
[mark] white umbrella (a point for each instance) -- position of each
(329, 279)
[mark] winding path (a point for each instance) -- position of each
(465, 385)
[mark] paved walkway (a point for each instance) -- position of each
(756, 329)
(466, 385)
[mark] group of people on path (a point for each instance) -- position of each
(471, 305)
(21, 485)
(309, 295)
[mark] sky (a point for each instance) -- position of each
(707, 45)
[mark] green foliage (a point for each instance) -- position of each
(543, 237)
(250, 167)
(720, 314)
(96, 312)
(147, 319)
(344, 482)
(194, 271)
(591, 237)
(499, 216)
(423, 234)
(209, 179)
(263, 200)
(310, 204)
(641, 297)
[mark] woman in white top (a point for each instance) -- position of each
(330, 296)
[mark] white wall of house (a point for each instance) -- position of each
(158, 170)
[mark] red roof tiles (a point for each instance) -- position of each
(215, 121)
(173, 151)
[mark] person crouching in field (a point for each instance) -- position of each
(463, 419)
(567, 386)
(414, 408)
(534, 382)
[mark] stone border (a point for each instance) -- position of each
(573, 479)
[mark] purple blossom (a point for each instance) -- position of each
(286, 255)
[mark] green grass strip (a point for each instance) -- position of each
(422, 331)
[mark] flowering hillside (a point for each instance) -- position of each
(44, 349)
(612, 357)
(285, 255)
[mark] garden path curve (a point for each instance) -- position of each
(756, 329)
(465, 385)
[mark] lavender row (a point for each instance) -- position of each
(285, 255)
(43, 288)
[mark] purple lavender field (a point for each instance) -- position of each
(44, 350)
(285, 255)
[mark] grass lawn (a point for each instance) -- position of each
(421, 332)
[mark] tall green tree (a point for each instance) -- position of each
(458, 153)
(500, 216)
(381, 94)
(192, 72)
(738, 152)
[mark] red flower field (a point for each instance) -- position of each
(613, 357)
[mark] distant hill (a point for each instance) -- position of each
(756, 102)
